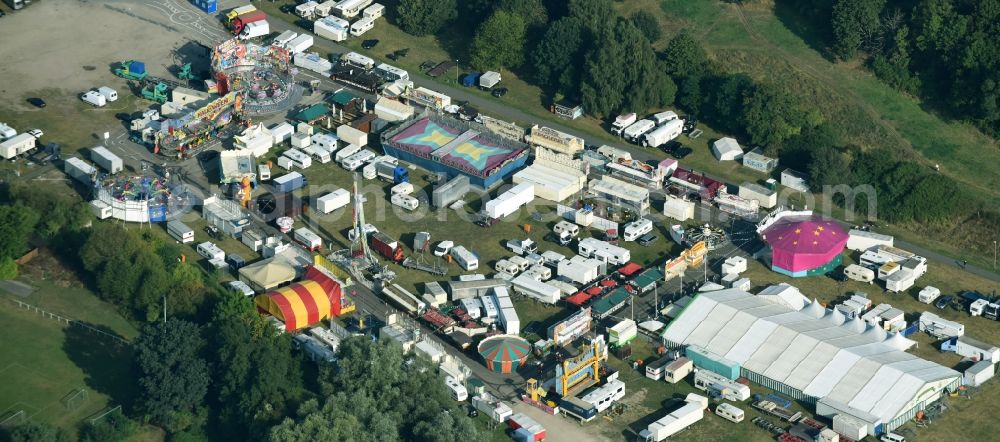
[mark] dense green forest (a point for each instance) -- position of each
(944, 51)
(217, 370)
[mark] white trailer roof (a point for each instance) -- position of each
(812, 349)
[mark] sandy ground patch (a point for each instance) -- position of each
(71, 45)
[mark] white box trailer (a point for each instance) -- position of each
(350, 8)
(937, 326)
(210, 251)
(282, 39)
(108, 93)
(603, 251)
(346, 152)
(180, 231)
(103, 157)
(79, 170)
(362, 26)
(673, 423)
(352, 135)
(325, 8)
(281, 132)
(657, 137)
(299, 159)
(318, 153)
(313, 62)
(510, 201)
(638, 129)
(928, 294)
(95, 98)
(17, 145)
(464, 258)
(862, 240)
(375, 10)
(308, 239)
(100, 209)
(356, 59)
(357, 160)
(405, 201)
(300, 44)
(535, 289)
(493, 407)
(637, 228)
(332, 28)
(333, 201)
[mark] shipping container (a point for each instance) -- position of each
(289, 182)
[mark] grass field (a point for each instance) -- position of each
(46, 362)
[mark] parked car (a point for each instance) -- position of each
(368, 44)
(37, 133)
(837, 274)
(499, 92)
(943, 301)
(647, 239)
(37, 102)
(287, 9)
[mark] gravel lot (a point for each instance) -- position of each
(71, 45)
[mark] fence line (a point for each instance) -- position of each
(68, 321)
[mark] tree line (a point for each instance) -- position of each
(941, 50)
(584, 50)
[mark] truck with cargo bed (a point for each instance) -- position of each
(688, 414)
(392, 173)
(241, 21)
(255, 29)
(621, 122)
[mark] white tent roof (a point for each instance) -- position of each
(726, 149)
(812, 350)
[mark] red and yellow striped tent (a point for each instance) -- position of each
(316, 297)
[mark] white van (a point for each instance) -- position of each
(637, 228)
(357, 160)
(858, 273)
(108, 93)
(729, 412)
(210, 251)
(180, 232)
(892, 437)
(457, 390)
(405, 201)
(347, 151)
